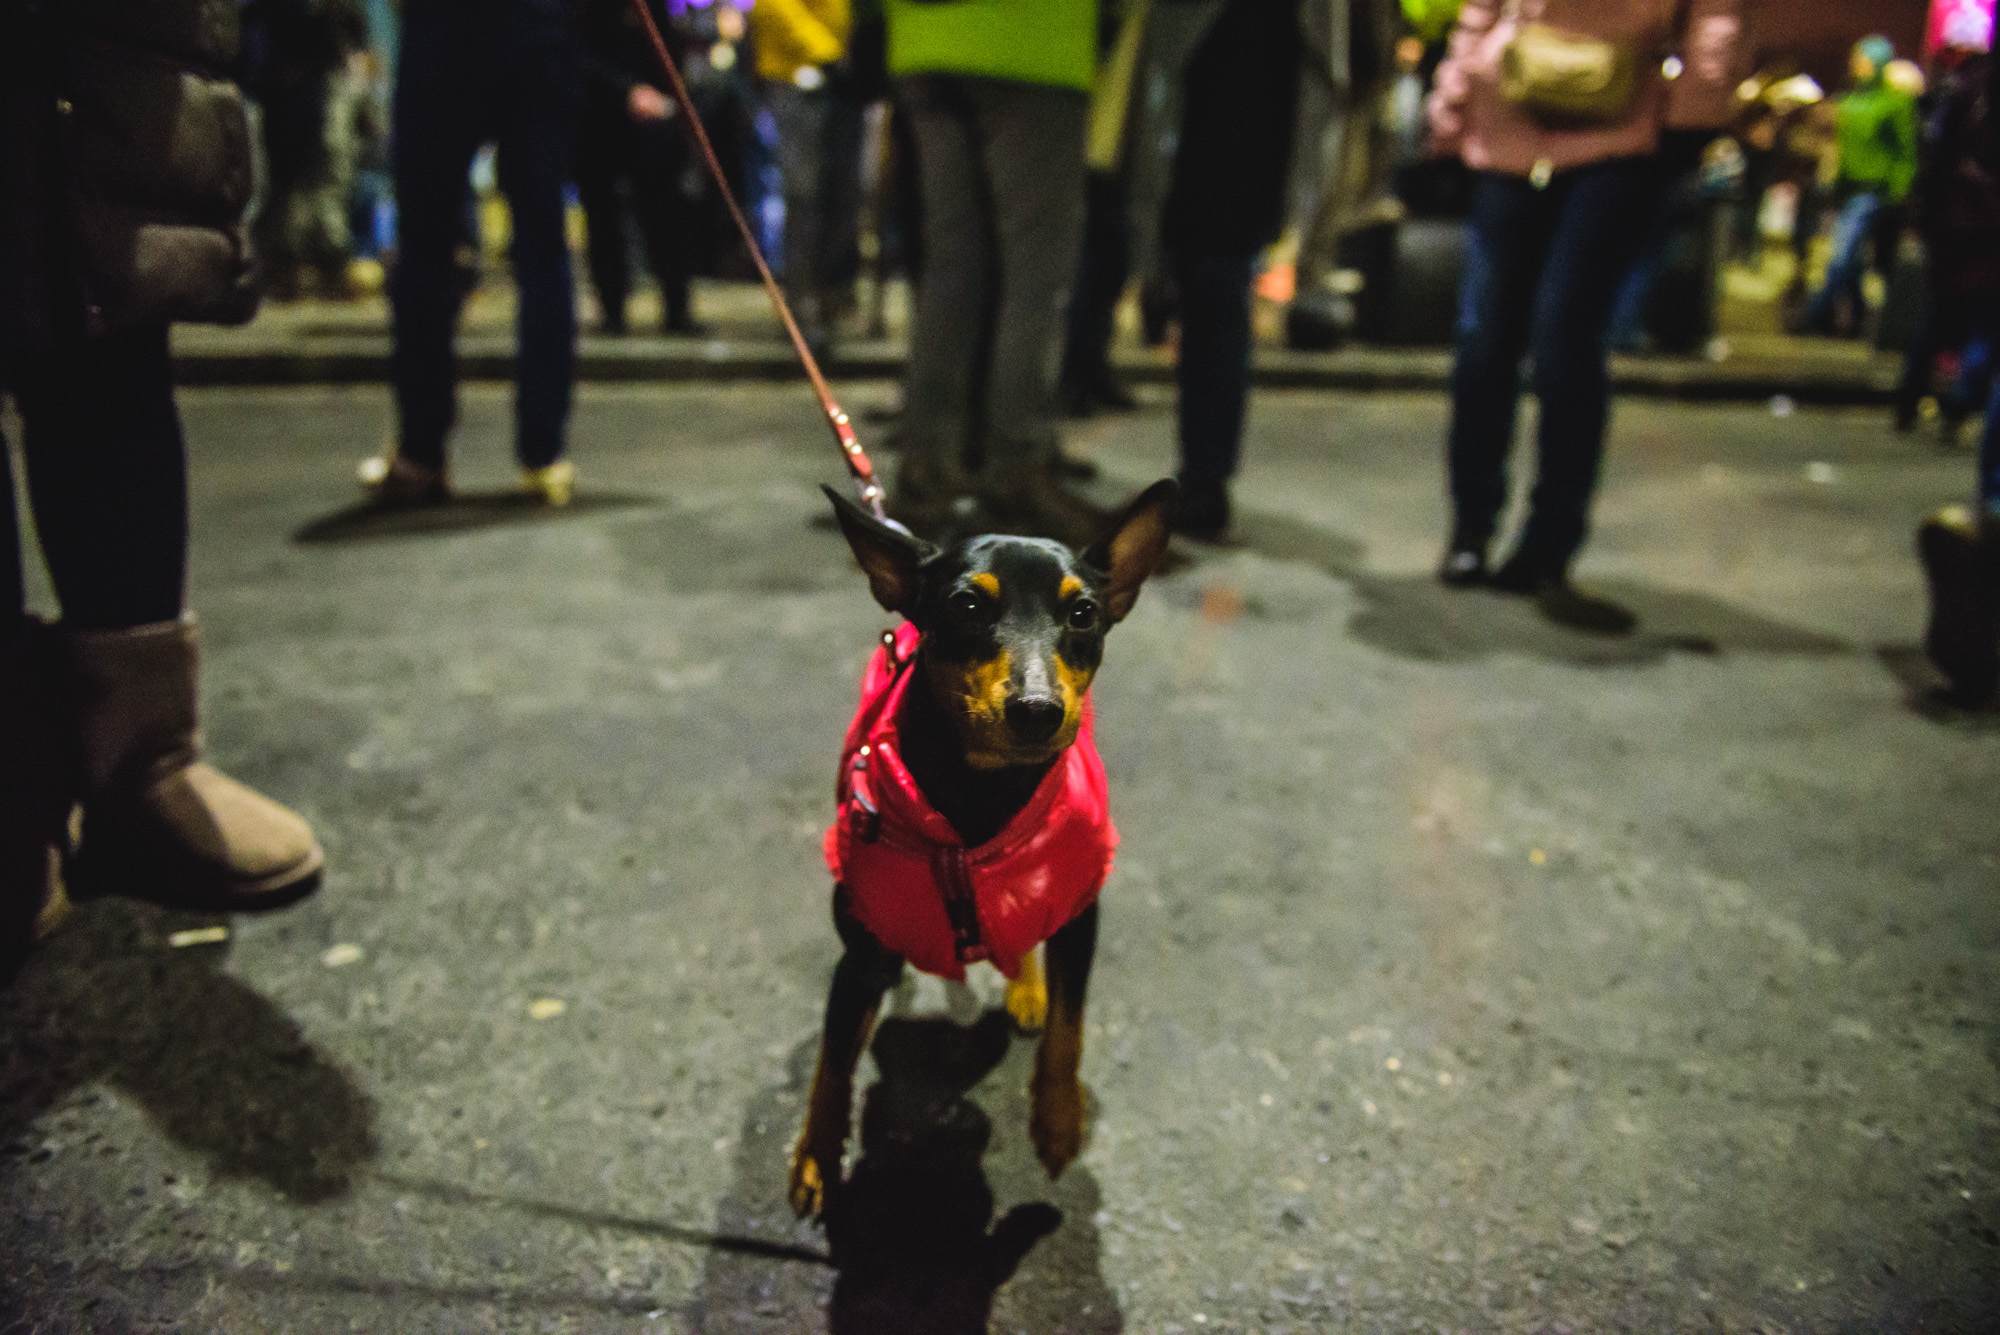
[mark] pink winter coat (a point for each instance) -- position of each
(912, 881)
(1469, 118)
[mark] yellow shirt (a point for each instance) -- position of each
(792, 34)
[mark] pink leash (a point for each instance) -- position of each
(851, 452)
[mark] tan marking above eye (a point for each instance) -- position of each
(1071, 586)
(985, 583)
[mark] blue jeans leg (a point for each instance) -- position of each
(1214, 366)
(1589, 249)
(533, 163)
(434, 134)
(1851, 233)
(1507, 241)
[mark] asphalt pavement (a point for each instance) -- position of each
(1458, 972)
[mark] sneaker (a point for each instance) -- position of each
(394, 482)
(552, 485)
(1464, 564)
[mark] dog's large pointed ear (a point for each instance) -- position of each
(888, 554)
(1132, 550)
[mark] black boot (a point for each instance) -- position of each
(1961, 556)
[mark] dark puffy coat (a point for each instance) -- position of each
(125, 167)
(1242, 89)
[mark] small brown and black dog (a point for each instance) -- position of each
(972, 821)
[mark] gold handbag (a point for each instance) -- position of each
(1566, 80)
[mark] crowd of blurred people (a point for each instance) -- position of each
(1025, 164)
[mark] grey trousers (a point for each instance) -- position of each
(1001, 166)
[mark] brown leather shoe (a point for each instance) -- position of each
(158, 824)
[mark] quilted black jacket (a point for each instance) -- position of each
(125, 167)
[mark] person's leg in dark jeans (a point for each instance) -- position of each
(804, 117)
(107, 475)
(949, 319)
(1853, 232)
(665, 215)
(435, 132)
(1087, 382)
(1213, 375)
(537, 134)
(1030, 143)
(603, 152)
(1507, 242)
(1600, 211)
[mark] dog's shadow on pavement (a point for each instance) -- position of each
(914, 1242)
(217, 1067)
(1414, 616)
(465, 512)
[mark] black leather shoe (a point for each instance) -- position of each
(1203, 511)
(1522, 574)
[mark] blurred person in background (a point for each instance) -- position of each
(1958, 212)
(473, 71)
(101, 248)
(1562, 190)
(1955, 208)
(801, 46)
(1226, 203)
(630, 149)
(294, 52)
(998, 95)
(1876, 143)
(1358, 55)
(1086, 382)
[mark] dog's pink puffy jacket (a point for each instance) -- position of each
(902, 862)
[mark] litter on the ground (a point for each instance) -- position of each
(337, 956)
(198, 936)
(546, 1009)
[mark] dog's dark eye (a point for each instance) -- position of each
(1083, 615)
(972, 606)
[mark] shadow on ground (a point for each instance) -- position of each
(463, 513)
(1926, 692)
(1414, 616)
(217, 1067)
(913, 1239)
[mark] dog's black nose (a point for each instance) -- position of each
(1034, 718)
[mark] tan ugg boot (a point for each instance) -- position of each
(38, 784)
(158, 824)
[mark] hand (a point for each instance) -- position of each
(647, 103)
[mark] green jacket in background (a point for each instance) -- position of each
(1028, 41)
(1878, 140)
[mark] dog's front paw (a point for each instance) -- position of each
(809, 1181)
(1028, 998)
(1056, 1124)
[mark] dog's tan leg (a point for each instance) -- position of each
(1056, 1124)
(823, 1139)
(864, 973)
(1028, 994)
